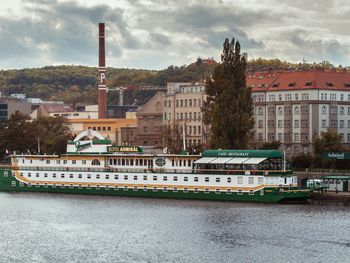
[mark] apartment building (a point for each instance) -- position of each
(292, 107)
(183, 108)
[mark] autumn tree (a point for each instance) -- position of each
(228, 109)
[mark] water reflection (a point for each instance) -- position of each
(68, 228)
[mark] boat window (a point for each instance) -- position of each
(260, 180)
(64, 161)
(47, 161)
(180, 162)
(80, 176)
(83, 161)
(172, 162)
(145, 188)
(110, 161)
(217, 179)
(239, 180)
(74, 162)
(239, 192)
(206, 190)
(37, 175)
(115, 177)
(58, 161)
(196, 179)
(135, 177)
(165, 178)
(154, 178)
(116, 187)
(118, 161)
(89, 176)
(217, 191)
(29, 175)
(196, 190)
(250, 180)
(165, 189)
(45, 174)
(136, 162)
(126, 188)
(95, 162)
(70, 186)
(88, 186)
(228, 191)
(127, 162)
(206, 179)
(155, 189)
(251, 192)
(141, 162)
(71, 176)
(175, 178)
(132, 162)
(189, 163)
(62, 175)
(185, 190)
(175, 189)
(97, 176)
(229, 179)
(123, 161)
(62, 186)
(135, 188)
(261, 192)
(125, 177)
(186, 179)
(107, 176)
(54, 175)
(145, 177)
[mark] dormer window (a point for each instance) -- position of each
(275, 85)
(329, 84)
(292, 84)
(309, 83)
(347, 85)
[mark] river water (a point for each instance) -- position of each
(74, 228)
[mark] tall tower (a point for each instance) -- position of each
(102, 97)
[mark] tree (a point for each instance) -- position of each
(328, 141)
(228, 108)
(271, 145)
(171, 136)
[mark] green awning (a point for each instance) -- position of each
(336, 177)
(243, 153)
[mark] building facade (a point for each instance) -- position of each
(183, 109)
(293, 107)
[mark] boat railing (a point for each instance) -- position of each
(154, 170)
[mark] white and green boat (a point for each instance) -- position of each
(93, 166)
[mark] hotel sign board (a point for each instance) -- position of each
(124, 149)
(336, 155)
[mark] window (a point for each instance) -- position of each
(196, 179)
(185, 190)
(125, 177)
(250, 180)
(217, 191)
(324, 110)
(206, 179)
(206, 191)
(175, 178)
(217, 179)
(229, 179)
(115, 177)
(251, 192)
(341, 111)
(186, 179)
(165, 178)
(260, 180)
(240, 180)
(228, 191)
(135, 177)
(296, 123)
(154, 178)
(97, 176)
(95, 162)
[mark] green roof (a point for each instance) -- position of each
(332, 177)
(243, 153)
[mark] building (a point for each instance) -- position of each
(150, 122)
(183, 107)
(109, 128)
(10, 106)
(294, 106)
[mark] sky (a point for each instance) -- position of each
(153, 34)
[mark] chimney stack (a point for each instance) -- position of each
(102, 97)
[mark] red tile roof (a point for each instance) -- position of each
(297, 80)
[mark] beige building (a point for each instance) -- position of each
(292, 107)
(183, 107)
(109, 128)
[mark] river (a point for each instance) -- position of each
(74, 228)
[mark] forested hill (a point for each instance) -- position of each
(74, 84)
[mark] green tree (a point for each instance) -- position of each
(328, 141)
(228, 108)
(271, 145)
(171, 136)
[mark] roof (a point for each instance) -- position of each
(297, 80)
(50, 108)
(243, 153)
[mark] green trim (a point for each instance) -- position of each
(243, 153)
(270, 195)
(106, 141)
(333, 177)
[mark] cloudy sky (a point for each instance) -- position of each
(154, 34)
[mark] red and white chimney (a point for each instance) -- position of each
(102, 85)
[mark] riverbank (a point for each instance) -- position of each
(331, 196)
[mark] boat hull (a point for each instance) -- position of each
(268, 195)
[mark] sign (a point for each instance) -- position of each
(129, 149)
(336, 155)
(160, 162)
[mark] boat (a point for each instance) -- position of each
(92, 165)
